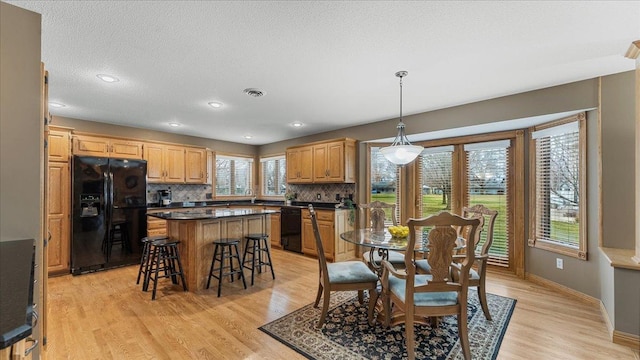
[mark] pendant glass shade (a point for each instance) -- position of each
(401, 152)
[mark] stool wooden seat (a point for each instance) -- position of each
(164, 256)
(223, 253)
(256, 245)
(146, 246)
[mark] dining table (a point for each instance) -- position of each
(380, 242)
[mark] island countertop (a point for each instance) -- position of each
(209, 213)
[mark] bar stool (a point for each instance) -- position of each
(255, 246)
(164, 256)
(224, 250)
(146, 252)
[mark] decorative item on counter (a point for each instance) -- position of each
(288, 196)
(399, 231)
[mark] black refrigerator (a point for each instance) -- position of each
(108, 218)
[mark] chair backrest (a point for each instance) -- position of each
(377, 215)
(488, 220)
(322, 260)
(442, 240)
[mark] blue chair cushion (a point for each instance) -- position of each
(398, 287)
(394, 257)
(350, 272)
(423, 266)
(473, 275)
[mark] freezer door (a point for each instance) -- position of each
(89, 213)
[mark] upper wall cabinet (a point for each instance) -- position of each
(299, 165)
(329, 162)
(59, 144)
(106, 147)
(165, 163)
(195, 166)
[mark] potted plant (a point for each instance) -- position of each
(288, 196)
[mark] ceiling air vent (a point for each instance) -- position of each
(253, 92)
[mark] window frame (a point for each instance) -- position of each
(581, 251)
(251, 176)
(262, 160)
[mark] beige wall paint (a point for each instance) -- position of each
(21, 134)
(152, 135)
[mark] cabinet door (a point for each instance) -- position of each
(306, 164)
(196, 166)
(124, 149)
(293, 165)
(335, 162)
(174, 164)
(308, 238)
(153, 155)
(58, 217)
(58, 145)
(320, 166)
(326, 234)
(90, 145)
(274, 234)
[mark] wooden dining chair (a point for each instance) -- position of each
(417, 297)
(477, 278)
(341, 276)
(375, 214)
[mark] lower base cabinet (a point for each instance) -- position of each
(331, 223)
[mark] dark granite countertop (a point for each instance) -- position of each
(236, 203)
(209, 213)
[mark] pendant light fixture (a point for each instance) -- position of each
(401, 152)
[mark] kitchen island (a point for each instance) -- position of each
(198, 228)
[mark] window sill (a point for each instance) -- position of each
(621, 258)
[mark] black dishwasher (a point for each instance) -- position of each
(290, 228)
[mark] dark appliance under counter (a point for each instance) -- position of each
(291, 228)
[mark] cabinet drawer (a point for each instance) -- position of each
(321, 215)
(156, 232)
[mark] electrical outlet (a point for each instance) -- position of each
(318, 196)
(559, 263)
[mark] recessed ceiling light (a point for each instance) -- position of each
(253, 92)
(107, 78)
(174, 124)
(215, 104)
(296, 124)
(56, 105)
(248, 137)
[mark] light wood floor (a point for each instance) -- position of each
(105, 315)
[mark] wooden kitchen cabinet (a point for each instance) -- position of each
(90, 145)
(195, 166)
(274, 234)
(59, 144)
(165, 163)
(58, 217)
(329, 161)
(299, 165)
(331, 223)
(156, 226)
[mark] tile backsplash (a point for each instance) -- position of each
(179, 192)
(305, 192)
(327, 192)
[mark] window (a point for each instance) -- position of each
(384, 182)
(558, 176)
(234, 176)
(274, 175)
(487, 168)
(435, 177)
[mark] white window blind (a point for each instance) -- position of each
(385, 182)
(234, 176)
(435, 179)
(487, 184)
(274, 175)
(558, 184)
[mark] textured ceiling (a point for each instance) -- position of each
(327, 64)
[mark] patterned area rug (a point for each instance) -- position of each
(346, 334)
